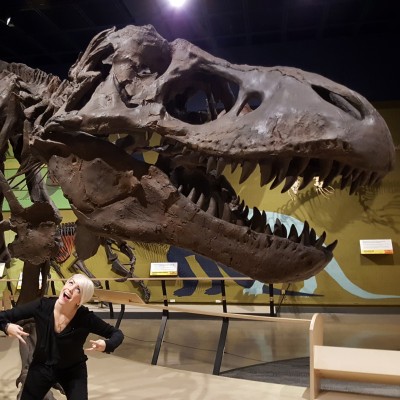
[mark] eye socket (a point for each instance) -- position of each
(345, 104)
(199, 97)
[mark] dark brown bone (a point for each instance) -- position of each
(132, 81)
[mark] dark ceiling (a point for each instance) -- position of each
(351, 41)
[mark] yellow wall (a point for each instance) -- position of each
(351, 279)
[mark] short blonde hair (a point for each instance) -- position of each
(86, 287)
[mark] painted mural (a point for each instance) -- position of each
(349, 279)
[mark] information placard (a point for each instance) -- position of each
(376, 246)
(164, 269)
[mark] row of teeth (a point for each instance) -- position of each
(237, 212)
(277, 170)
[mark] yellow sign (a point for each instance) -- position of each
(164, 269)
(376, 246)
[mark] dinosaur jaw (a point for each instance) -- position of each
(296, 256)
(215, 222)
(189, 209)
(172, 218)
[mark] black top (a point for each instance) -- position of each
(63, 349)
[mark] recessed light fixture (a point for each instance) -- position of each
(177, 3)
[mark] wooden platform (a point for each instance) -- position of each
(348, 363)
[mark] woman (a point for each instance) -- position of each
(62, 326)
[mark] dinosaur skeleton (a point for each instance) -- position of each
(130, 83)
(67, 233)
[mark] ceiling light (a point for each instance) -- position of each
(177, 3)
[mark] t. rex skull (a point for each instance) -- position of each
(290, 122)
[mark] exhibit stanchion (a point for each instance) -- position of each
(163, 324)
(222, 336)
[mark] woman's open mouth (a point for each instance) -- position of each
(66, 296)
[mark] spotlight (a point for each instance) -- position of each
(177, 3)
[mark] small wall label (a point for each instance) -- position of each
(376, 246)
(164, 269)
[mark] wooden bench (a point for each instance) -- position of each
(351, 364)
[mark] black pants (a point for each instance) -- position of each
(42, 377)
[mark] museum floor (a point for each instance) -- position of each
(185, 363)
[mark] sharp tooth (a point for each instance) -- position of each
(247, 168)
(346, 172)
(345, 181)
(264, 218)
(332, 246)
(325, 167)
(355, 185)
(293, 235)
(227, 214)
(304, 237)
(192, 196)
(374, 178)
(213, 207)
(298, 165)
(278, 231)
(320, 241)
(307, 178)
(256, 222)
(290, 180)
(220, 166)
(313, 236)
(211, 164)
(283, 167)
(268, 230)
(356, 174)
(267, 172)
(335, 171)
(245, 212)
(365, 177)
(201, 201)
(234, 165)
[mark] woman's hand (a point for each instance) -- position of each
(17, 331)
(97, 345)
